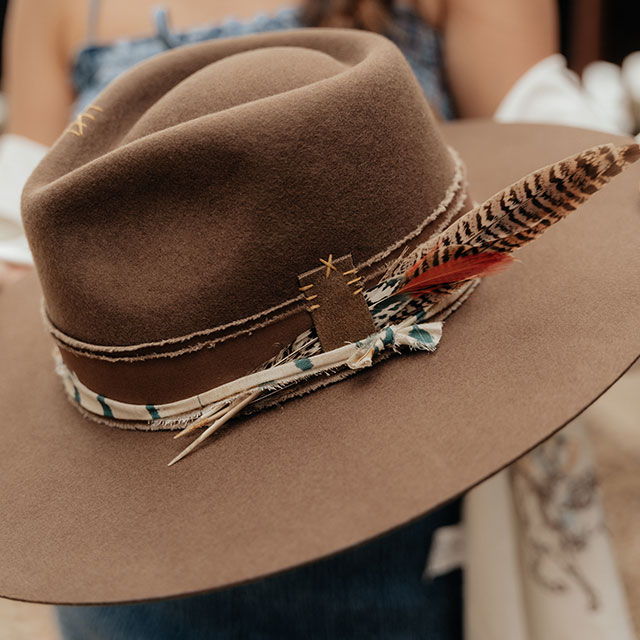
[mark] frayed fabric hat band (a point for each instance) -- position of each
(170, 242)
(357, 355)
(478, 244)
(298, 362)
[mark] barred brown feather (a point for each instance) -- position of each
(520, 213)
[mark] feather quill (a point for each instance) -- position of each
(481, 241)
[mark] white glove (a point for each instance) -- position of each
(18, 158)
(550, 93)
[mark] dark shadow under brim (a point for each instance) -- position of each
(92, 514)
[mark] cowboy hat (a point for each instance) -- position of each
(182, 228)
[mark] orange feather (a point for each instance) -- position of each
(456, 270)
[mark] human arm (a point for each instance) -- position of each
(36, 70)
(489, 44)
(38, 92)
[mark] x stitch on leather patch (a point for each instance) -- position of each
(333, 292)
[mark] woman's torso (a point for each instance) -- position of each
(97, 64)
(375, 591)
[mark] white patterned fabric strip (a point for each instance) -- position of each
(296, 368)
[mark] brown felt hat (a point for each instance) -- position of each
(258, 200)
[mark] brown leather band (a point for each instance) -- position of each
(163, 380)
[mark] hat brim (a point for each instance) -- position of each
(92, 514)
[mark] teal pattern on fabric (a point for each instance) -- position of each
(423, 337)
(153, 412)
(106, 409)
(391, 304)
(304, 364)
(76, 394)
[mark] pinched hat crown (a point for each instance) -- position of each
(182, 224)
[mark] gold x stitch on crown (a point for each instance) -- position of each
(78, 126)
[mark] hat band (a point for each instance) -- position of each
(298, 362)
(168, 371)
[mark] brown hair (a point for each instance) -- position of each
(371, 15)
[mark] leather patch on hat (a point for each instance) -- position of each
(334, 298)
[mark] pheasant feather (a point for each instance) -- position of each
(520, 213)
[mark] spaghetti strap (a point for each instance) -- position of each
(92, 21)
(161, 19)
(100, 62)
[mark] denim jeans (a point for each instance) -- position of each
(375, 591)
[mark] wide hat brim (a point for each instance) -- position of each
(92, 514)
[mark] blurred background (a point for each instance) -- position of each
(3, 14)
(590, 31)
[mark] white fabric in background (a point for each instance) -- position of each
(550, 93)
(570, 580)
(631, 81)
(604, 85)
(539, 562)
(447, 552)
(18, 158)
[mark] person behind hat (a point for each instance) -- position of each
(468, 70)
(485, 46)
(277, 212)
(104, 23)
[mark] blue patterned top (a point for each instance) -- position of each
(96, 66)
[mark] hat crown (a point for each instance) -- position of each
(197, 187)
